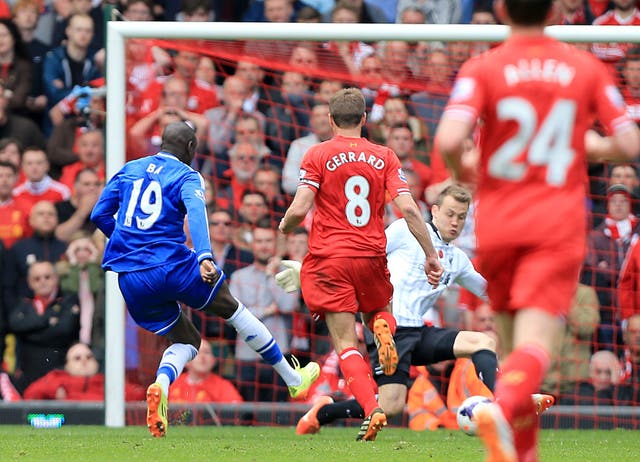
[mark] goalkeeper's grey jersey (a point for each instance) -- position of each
(413, 296)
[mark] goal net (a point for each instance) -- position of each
(259, 84)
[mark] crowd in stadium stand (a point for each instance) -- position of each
(257, 107)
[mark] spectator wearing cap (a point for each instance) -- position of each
(624, 174)
(627, 175)
(608, 245)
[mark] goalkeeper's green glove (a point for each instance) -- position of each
(289, 279)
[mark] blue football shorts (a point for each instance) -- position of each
(153, 295)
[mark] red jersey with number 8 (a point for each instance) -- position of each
(350, 177)
(535, 98)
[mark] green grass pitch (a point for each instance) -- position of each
(281, 444)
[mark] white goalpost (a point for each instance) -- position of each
(118, 32)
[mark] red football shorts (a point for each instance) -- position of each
(345, 284)
(541, 276)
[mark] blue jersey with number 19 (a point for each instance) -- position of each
(142, 210)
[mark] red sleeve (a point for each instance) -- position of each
(395, 182)
(609, 103)
(468, 95)
(628, 285)
(310, 170)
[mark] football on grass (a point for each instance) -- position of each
(465, 413)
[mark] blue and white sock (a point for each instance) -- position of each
(173, 360)
(255, 333)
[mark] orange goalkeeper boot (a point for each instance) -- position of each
(387, 353)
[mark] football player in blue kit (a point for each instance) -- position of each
(142, 211)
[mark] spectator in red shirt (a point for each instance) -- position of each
(144, 135)
(244, 158)
(201, 95)
(400, 139)
(78, 381)
(14, 215)
(90, 148)
(200, 384)
(39, 186)
(624, 13)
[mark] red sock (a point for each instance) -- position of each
(387, 316)
(357, 373)
(520, 376)
(526, 425)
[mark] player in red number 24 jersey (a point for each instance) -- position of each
(536, 99)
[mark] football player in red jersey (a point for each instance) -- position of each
(536, 99)
(345, 271)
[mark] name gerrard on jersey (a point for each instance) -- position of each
(346, 157)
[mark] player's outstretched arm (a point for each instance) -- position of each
(302, 202)
(418, 228)
(622, 146)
